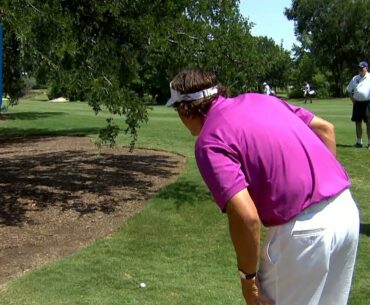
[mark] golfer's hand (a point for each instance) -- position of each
(253, 294)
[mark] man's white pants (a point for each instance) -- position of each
(310, 260)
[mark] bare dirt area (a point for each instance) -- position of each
(58, 195)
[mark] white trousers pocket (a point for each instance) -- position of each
(302, 261)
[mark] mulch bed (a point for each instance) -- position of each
(57, 194)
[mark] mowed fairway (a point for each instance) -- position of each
(179, 245)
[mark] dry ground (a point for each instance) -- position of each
(57, 195)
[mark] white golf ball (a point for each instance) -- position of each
(142, 285)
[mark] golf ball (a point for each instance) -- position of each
(142, 285)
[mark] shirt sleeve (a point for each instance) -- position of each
(221, 171)
(305, 115)
(352, 84)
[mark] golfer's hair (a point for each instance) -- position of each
(194, 80)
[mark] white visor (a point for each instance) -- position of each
(176, 96)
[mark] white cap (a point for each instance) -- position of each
(176, 96)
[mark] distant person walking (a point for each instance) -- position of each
(359, 92)
(266, 89)
(307, 92)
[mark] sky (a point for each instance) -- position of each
(270, 21)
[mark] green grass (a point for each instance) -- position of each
(179, 245)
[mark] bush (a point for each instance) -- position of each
(67, 88)
(29, 83)
(319, 83)
(322, 86)
(295, 92)
(55, 90)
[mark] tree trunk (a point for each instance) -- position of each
(338, 81)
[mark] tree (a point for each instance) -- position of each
(12, 67)
(113, 53)
(208, 34)
(12, 60)
(331, 32)
(274, 61)
(118, 55)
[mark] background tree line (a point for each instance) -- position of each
(120, 55)
(334, 37)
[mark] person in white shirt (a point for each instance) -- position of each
(266, 89)
(307, 93)
(359, 92)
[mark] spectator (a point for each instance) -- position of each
(266, 89)
(308, 92)
(359, 93)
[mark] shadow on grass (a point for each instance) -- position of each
(76, 180)
(345, 146)
(185, 193)
(9, 136)
(365, 229)
(32, 115)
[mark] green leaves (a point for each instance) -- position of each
(118, 55)
(108, 134)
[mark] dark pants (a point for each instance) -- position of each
(361, 111)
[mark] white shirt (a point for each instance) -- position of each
(359, 87)
(267, 89)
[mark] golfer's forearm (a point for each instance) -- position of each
(244, 226)
(329, 140)
(245, 238)
(325, 131)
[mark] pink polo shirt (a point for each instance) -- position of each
(264, 144)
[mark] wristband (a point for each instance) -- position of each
(246, 276)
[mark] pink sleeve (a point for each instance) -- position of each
(305, 115)
(221, 171)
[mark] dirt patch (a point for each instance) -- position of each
(58, 195)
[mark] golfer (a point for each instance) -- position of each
(267, 161)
